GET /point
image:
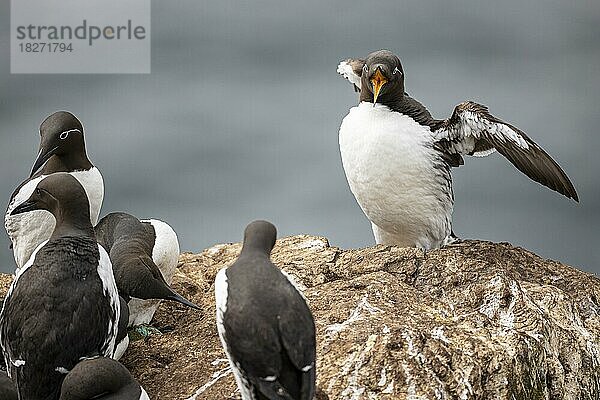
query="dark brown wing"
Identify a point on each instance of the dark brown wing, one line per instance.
(472, 130)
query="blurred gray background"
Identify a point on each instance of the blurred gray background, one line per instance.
(239, 118)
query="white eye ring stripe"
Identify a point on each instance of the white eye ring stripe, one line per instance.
(396, 71)
(65, 134)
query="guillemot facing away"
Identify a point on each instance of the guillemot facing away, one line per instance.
(62, 149)
(144, 255)
(397, 157)
(264, 323)
(63, 305)
(101, 379)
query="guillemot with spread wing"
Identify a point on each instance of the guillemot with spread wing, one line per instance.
(397, 157)
(62, 149)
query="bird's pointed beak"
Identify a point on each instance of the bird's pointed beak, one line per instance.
(378, 80)
(24, 207)
(182, 300)
(43, 156)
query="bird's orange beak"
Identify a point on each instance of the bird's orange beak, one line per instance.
(378, 80)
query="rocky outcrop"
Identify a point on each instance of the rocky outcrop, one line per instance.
(475, 320)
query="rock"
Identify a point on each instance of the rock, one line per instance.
(475, 320)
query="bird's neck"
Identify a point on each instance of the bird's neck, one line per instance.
(392, 98)
(72, 222)
(406, 105)
(257, 244)
(255, 251)
(73, 161)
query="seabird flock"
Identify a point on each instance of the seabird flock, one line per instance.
(81, 283)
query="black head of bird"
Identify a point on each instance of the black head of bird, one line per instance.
(137, 276)
(61, 134)
(63, 196)
(259, 236)
(383, 77)
(100, 378)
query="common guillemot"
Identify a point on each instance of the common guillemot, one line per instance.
(63, 305)
(144, 255)
(101, 379)
(264, 323)
(397, 157)
(97, 378)
(62, 149)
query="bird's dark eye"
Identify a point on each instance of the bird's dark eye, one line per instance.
(397, 71)
(64, 135)
(38, 192)
(365, 68)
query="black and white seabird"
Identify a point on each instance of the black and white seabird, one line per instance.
(62, 149)
(144, 256)
(397, 157)
(97, 378)
(264, 323)
(101, 379)
(63, 305)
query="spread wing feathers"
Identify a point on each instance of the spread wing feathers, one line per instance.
(351, 69)
(472, 130)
